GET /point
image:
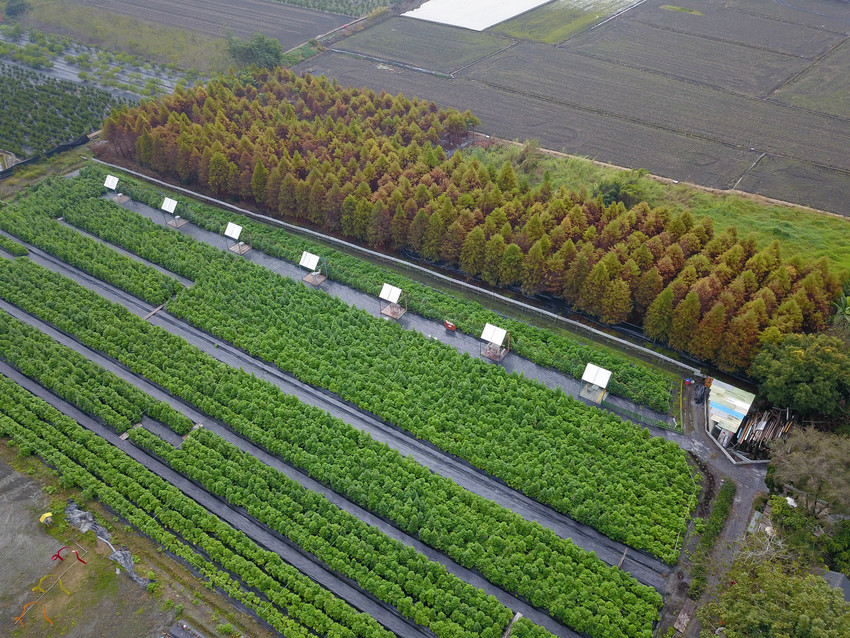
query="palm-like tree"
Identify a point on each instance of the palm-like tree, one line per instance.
(842, 315)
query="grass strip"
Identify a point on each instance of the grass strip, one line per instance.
(713, 527)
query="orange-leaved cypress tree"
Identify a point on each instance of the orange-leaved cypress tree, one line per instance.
(708, 335)
(739, 342)
(617, 302)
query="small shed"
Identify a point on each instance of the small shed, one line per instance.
(392, 301)
(596, 381)
(727, 408)
(495, 342)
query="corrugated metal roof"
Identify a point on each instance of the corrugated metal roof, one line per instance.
(729, 405)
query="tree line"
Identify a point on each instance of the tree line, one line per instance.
(371, 167)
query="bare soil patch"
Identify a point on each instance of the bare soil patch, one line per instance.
(724, 23)
(25, 546)
(802, 182)
(823, 86)
(820, 14)
(429, 45)
(689, 57)
(666, 103)
(101, 602)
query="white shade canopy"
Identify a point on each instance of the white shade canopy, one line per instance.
(597, 376)
(169, 205)
(111, 182)
(233, 230)
(390, 293)
(473, 14)
(494, 334)
(309, 260)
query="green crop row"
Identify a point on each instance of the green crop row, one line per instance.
(520, 556)
(30, 219)
(582, 461)
(420, 589)
(69, 374)
(634, 381)
(524, 628)
(76, 379)
(163, 513)
(12, 247)
(383, 566)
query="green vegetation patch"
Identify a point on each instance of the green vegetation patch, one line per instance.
(38, 112)
(801, 231)
(632, 379)
(69, 374)
(12, 247)
(29, 219)
(823, 86)
(275, 500)
(670, 7)
(411, 371)
(355, 8)
(559, 20)
(708, 537)
(518, 555)
(424, 44)
(289, 601)
(167, 45)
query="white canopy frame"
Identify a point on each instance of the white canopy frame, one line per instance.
(392, 301)
(495, 343)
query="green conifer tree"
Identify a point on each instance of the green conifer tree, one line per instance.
(685, 321)
(510, 271)
(659, 316)
(709, 334)
(472, 252)
(493, 253)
